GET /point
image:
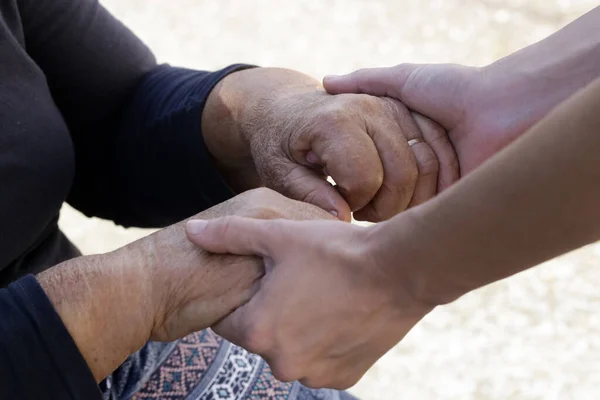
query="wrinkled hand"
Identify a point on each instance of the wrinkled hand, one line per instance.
(483, 109)
(294, 135)
(325, 311)
(191, 289)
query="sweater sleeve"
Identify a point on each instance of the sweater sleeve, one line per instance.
(136, 127)
(38, 358)
(157, 169)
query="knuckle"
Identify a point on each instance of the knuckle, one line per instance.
(291, 181)
(263, 203)
(224, 228)
(333, 119)
(366, 182)
(394, 107)
(407, 176)
(271, 171)
(261, 193)
(369, 104)
(302, 190)
(336, 113)
(311, 196)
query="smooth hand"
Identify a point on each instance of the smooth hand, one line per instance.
(482, 109)
(195, 289)
(325, 310)
(279, 128)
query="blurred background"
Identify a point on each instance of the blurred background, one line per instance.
(533, 336)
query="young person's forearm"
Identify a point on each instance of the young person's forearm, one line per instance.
(536, 199)
(554, 68)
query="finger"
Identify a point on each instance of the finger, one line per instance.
(439, 142)
(235, 235)
(437, 91)
(399, 164)
(251, 326)
(413, 174)
(304, 184)
(374, 81)
(428, 166)
(237, 327)
(196, 316)
(346, 152)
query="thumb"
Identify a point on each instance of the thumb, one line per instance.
(304, 184)
(434, 90)
(234, 235)
(374, 81)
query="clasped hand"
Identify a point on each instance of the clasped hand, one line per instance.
(285, 132)
(329, 306)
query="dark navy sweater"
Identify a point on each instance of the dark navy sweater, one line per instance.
(87, 117)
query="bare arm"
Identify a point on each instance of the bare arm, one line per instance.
(279, 128)
(104, 302)
(560, 64)
(534, 201)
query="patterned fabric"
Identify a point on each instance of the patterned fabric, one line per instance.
(203, 366)
(183, 369)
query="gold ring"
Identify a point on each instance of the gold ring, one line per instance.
(412, 142)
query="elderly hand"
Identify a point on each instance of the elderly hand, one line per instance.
(195, 289)
(325, 310)
(161, 287)
(280, 129)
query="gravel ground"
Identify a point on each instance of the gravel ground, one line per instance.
(533, 336)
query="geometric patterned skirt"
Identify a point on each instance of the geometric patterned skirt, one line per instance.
(203, 366)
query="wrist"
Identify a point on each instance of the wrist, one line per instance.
(223, 138)
(406, 248)
(238, 107)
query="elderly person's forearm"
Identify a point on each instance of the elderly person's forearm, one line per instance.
(104, 302)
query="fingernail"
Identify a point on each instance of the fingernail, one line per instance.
(330, 77)
(334, 213)
(196, 226)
